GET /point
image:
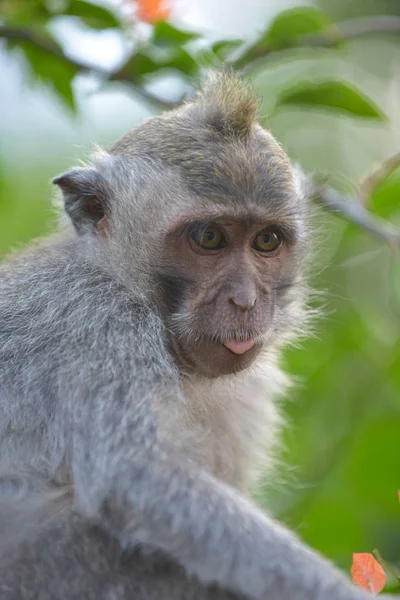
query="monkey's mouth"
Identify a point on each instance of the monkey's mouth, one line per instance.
(220, 353)
(239, 347)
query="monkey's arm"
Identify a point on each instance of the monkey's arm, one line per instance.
(128, 480)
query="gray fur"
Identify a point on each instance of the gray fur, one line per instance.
(122, 476)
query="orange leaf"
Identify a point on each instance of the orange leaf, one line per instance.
(152, 11)
(367, 573)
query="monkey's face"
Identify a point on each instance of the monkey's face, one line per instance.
(200, 212)
(224, 281)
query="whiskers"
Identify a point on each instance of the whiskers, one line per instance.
(184, 328)
(293, 319)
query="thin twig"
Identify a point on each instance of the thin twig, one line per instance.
(371, 181)
(28, 35)
(124, 76)
(385, 564)
(346, 207)
(361, 26)
(143, 93)
(356, 213)
(330, 37)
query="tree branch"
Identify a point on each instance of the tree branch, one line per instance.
(329, 38)
(333, 35)
(355, 212)
(361, 26)
(346, 207)
(371, 181)
(49, 46)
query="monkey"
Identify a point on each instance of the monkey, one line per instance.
(140, 369)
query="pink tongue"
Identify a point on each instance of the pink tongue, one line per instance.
(239, 347)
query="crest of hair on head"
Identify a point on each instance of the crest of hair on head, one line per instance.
(230, 106)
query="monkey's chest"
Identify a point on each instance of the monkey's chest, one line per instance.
(226, 428)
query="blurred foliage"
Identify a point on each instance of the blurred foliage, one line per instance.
(325, 90)
(330, 94)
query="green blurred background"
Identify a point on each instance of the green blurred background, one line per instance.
(333, 101)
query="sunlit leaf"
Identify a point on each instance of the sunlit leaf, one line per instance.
(367, 573)
(141, 64)
(295, 22)
(166, 34)
(182, 61)
(223, 48)
(385, 197)
(331, 95)
(148, 61)
(96, 17)
(21, 12)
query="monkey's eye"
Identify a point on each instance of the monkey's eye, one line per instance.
(210, 238)
(268, 240)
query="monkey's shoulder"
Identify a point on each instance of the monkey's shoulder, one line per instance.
(54, 303)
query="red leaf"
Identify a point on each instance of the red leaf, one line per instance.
(152, 11)
(367, 573)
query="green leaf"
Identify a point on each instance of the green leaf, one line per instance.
(51, 70)
(394, 284)
(94, 16)
(20, 12)
(223, 48)
(295, 22)
(165, 34)
(182, 61)
(149, 61)
(331, 95)
(141, 64)
(385, 197)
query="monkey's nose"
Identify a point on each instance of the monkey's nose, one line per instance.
(244, 300)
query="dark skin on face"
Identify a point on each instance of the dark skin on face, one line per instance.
(219, 280)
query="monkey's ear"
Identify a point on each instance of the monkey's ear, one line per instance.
(85, 197)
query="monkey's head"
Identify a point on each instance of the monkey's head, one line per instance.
(200, 212)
